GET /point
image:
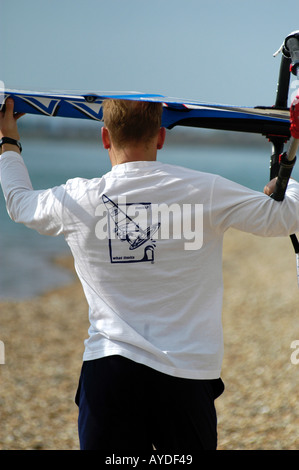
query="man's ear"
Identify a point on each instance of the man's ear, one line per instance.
(161, 138)
(105, 138)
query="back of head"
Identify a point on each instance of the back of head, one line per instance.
(131, 121)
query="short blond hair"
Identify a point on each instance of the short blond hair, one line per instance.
(131, 121)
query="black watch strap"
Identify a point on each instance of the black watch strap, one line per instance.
(8, 140)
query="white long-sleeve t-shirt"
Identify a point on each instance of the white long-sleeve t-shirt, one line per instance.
(147, 244)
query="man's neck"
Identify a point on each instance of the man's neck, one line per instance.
(133, 152)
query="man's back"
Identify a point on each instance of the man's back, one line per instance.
(145, 271)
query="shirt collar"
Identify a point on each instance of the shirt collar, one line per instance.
(129, 167)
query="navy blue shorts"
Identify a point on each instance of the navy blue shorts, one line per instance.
(125, 406)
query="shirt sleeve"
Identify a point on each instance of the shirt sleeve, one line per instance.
(233, 205)
(40, 210)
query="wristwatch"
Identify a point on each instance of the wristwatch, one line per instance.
(8, 140)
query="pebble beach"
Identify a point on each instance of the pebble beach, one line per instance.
(259, 409)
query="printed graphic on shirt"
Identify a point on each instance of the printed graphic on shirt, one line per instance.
(130, 231)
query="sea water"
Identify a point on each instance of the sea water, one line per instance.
(26, 269)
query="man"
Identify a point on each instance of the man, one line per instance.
(147, 244)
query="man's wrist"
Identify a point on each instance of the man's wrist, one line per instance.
(8, 143)
(9, 148)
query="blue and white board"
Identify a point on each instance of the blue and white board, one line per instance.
(176, 112)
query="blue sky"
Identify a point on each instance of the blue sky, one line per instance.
(209, 50)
